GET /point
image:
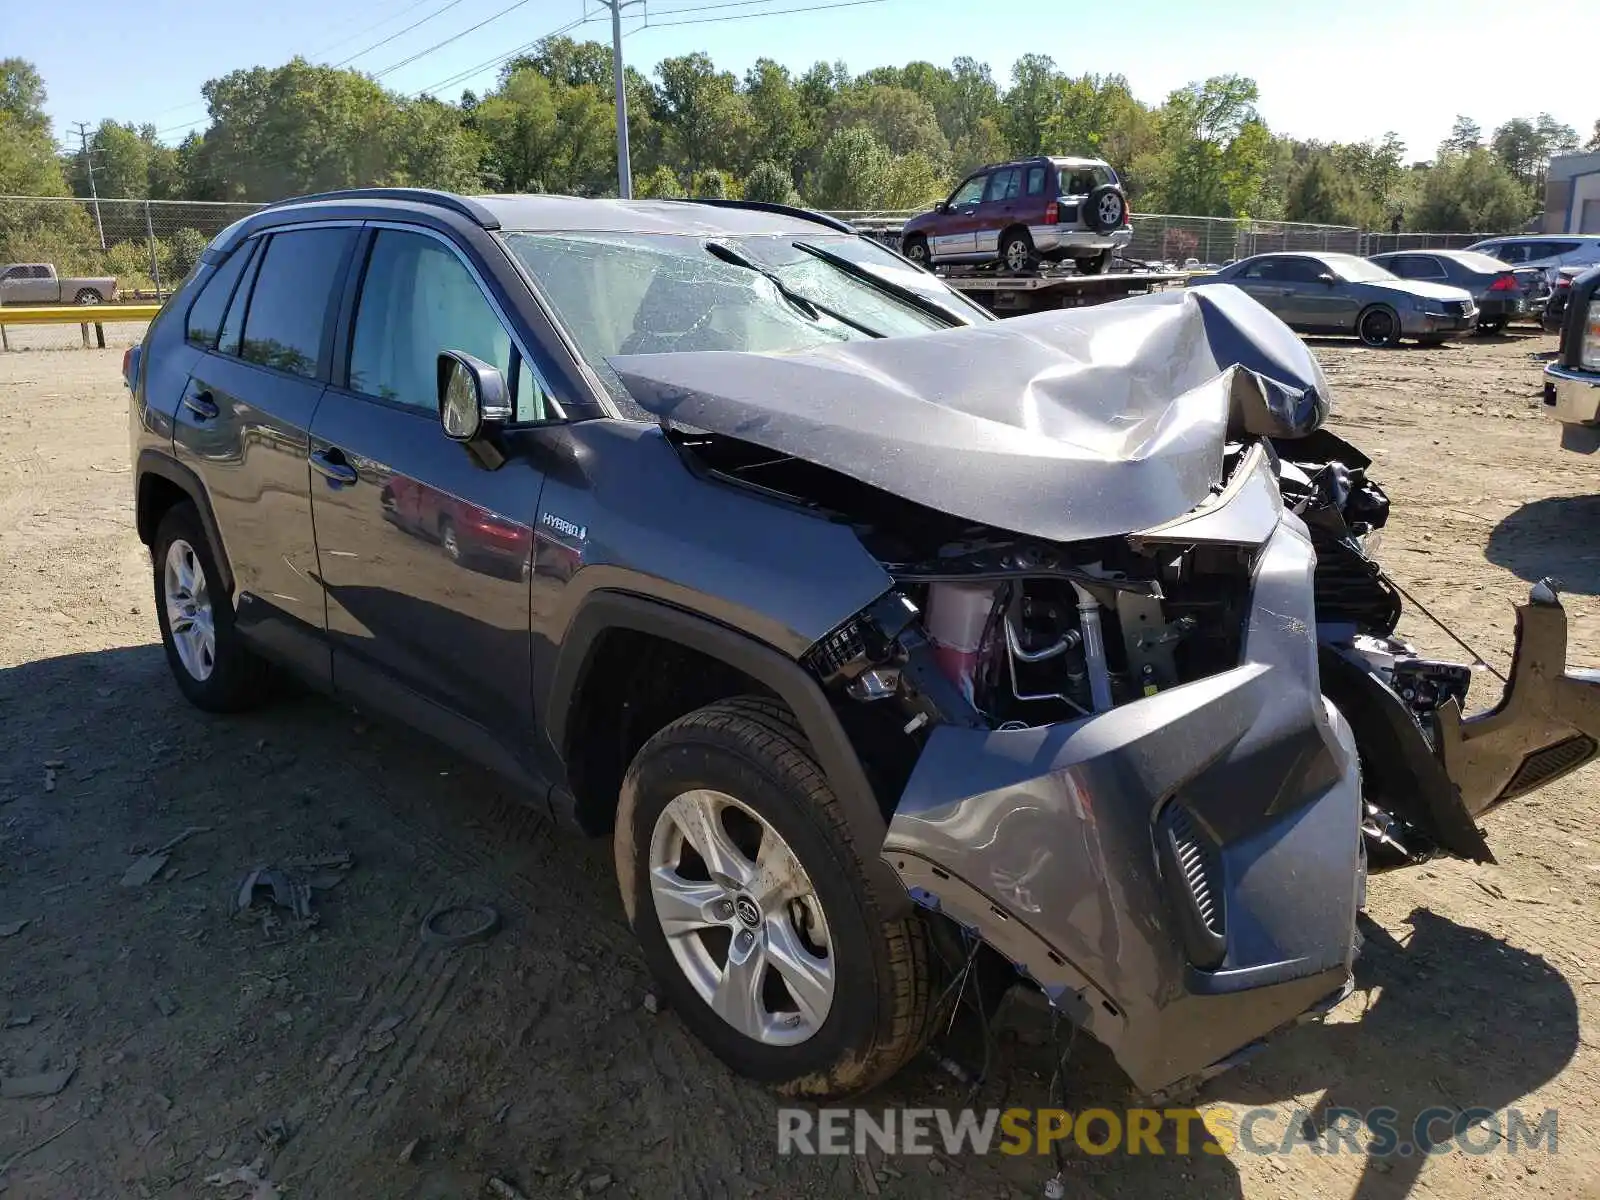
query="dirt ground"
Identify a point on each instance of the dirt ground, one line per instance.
(350, 1060)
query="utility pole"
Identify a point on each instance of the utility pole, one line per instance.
(88, 165)
(619, 77)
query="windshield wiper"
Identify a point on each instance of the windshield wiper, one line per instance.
(893, 290)
(805, 304)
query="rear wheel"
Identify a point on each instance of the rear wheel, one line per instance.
(88, 296)
(1493, 325)
(1016, 251)
(751, 903)
(1379, 327)
(916, 249)
(212, 666)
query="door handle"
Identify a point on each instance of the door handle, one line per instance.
(331, 464)
(201, 405)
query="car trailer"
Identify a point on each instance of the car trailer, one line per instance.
(1014, 295)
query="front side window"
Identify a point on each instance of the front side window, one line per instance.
(293, 298)
(969, 193)
(1266, 268)
(1299, 270)
(418, 300)
(619, 294)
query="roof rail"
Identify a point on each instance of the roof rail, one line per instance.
(787, 210)
(462, 205)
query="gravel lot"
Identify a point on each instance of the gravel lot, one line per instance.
(349, 1060)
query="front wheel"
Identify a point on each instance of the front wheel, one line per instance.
(1493, 325)
(1379, 327)
(752, 906)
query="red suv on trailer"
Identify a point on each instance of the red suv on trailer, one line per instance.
(1020, 212)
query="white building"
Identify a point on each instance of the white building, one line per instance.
(1572, 194)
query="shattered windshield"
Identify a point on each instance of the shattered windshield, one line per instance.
(626, 293)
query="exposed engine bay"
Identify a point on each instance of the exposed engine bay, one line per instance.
(1130, 701)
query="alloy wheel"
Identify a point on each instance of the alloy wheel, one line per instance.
(189, 614)
(1110, 210)
(1377, 328)
(1017, 255)
(742, 918)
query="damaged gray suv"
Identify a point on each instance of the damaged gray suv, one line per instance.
(887, 641)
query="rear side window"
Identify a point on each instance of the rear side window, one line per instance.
(293, 298)
(205, 317)
(1036, 181)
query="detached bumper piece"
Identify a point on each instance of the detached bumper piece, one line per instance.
(1180, 875)
(1546, 725)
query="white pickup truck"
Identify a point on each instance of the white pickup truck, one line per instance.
(38, 283)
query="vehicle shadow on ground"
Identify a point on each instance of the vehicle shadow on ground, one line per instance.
(1542, 538)
(1460, 1021)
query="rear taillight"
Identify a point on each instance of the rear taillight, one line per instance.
(1505, 283)
(1052, 213)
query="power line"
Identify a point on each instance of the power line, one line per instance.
(436, 12)
(452, 38)
(463, 76)
(366, 29)
(777, 12)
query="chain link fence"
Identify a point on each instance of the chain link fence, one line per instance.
(148, 246)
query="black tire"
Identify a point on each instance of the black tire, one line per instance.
(1493, 325)
(916, 249)
(1105, 208)
(88, 296)
(1016, 251)
(238, 679)
(1097, 264)
(751, 749)
(1378, 326)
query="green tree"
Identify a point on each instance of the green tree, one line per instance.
(913, 181)
(898, 117)
(1325, 193)
(659, 184)
(1030, 103)
(853, 171)
(1215, 152)
(28, 162)
(1466, 134)
(771, 184)
(1594, 139)
(706, 121)
(782, 131)
(1474, 192)
(711, 184)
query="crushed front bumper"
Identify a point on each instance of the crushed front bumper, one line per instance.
(1181, 874)
(1546, 725)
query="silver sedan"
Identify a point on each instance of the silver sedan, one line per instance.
(1341, 293)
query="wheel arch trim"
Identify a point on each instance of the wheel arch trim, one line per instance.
(603, 611)
(153, 462)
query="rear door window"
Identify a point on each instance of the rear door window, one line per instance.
(293, 298)
(205, 317)
(1428, 267)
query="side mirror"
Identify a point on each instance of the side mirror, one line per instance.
(1328, 277)
(941, 206)
(473, 397)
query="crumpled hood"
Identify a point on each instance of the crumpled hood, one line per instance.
(1066, 425)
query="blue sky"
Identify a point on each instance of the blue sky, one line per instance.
(1409, 67)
